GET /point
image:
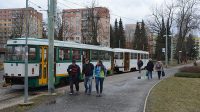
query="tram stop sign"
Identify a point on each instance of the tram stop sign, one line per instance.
(163, 49)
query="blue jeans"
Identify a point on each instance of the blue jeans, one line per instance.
(88, 84)
(149, 74)
(99, 81)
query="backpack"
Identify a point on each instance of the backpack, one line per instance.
(158, 66)
(140, 63)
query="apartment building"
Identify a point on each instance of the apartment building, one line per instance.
(83, 25)
(13, 23)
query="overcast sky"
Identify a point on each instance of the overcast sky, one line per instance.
(130, 11)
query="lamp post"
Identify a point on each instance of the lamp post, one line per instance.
(179, 56)
(166, 48)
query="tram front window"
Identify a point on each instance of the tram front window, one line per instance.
(15, 53)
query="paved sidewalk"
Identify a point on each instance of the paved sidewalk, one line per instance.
(122, 93)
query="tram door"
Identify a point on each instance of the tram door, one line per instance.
(126, 61)
(43, 80)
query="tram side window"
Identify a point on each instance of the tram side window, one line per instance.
(107, 55)
(118, 55)
(101, 55)
(95, 55)
(64, 54)
(32, 53)
(121, 55)
(76, 54)
(133, 56)
(142, 56)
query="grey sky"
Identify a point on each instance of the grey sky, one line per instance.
(131, 11)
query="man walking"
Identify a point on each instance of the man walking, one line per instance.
(74, 73)
(149, 68)
(140, 64)
(88, 73)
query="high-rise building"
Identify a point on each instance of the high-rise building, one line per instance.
(87, 25)
(13, 24)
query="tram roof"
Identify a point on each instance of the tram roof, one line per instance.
(129, 50)
(35, 41)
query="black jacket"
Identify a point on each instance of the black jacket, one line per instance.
(150, 66)
(73, 70)
(88, 69)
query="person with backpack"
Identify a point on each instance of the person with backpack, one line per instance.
(139, 64)
(100, 73)
(88, 74)
(149, 68)
(159, 68)
(74, 73)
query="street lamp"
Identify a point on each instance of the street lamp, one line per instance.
(179, 58)
(166, 48)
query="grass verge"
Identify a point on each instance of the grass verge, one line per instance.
(187, 75)
(175, 94)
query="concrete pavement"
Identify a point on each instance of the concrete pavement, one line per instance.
(122, 93)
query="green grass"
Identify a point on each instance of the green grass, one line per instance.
(175, 95)
(187, 75)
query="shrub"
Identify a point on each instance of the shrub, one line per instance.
(187, 75)
(190, 69)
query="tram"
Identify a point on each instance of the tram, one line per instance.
(126, 59)
(117, 60)
(64, 53)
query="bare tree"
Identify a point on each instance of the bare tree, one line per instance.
(159, 14)
(187, 20)
(91, 25)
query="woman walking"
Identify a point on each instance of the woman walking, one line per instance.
(100, 73)
(159, 68)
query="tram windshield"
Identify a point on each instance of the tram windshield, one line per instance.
(15, 53)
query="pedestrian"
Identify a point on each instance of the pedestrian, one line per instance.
(88, 75)
(139, 64)
(100, 73)
(74, 74)
(159, 68)
(149, 68)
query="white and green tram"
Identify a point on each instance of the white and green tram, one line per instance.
(126, 59)
(64, 53)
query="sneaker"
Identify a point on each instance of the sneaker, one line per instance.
(70, 93)
(100, 95)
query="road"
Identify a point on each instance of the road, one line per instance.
(1, 76)
(122, 93)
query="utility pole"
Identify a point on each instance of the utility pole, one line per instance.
(166, 49)
(172, 48)
(26, 56)
(51, 23)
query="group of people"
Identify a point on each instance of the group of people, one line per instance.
(150, 68)
(89, 71)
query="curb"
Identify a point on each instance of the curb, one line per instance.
(145, 103)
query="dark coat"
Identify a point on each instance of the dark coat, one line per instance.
(75, 74)
(150, 66)
(88, 69)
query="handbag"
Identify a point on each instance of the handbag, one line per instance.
(163, 73)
